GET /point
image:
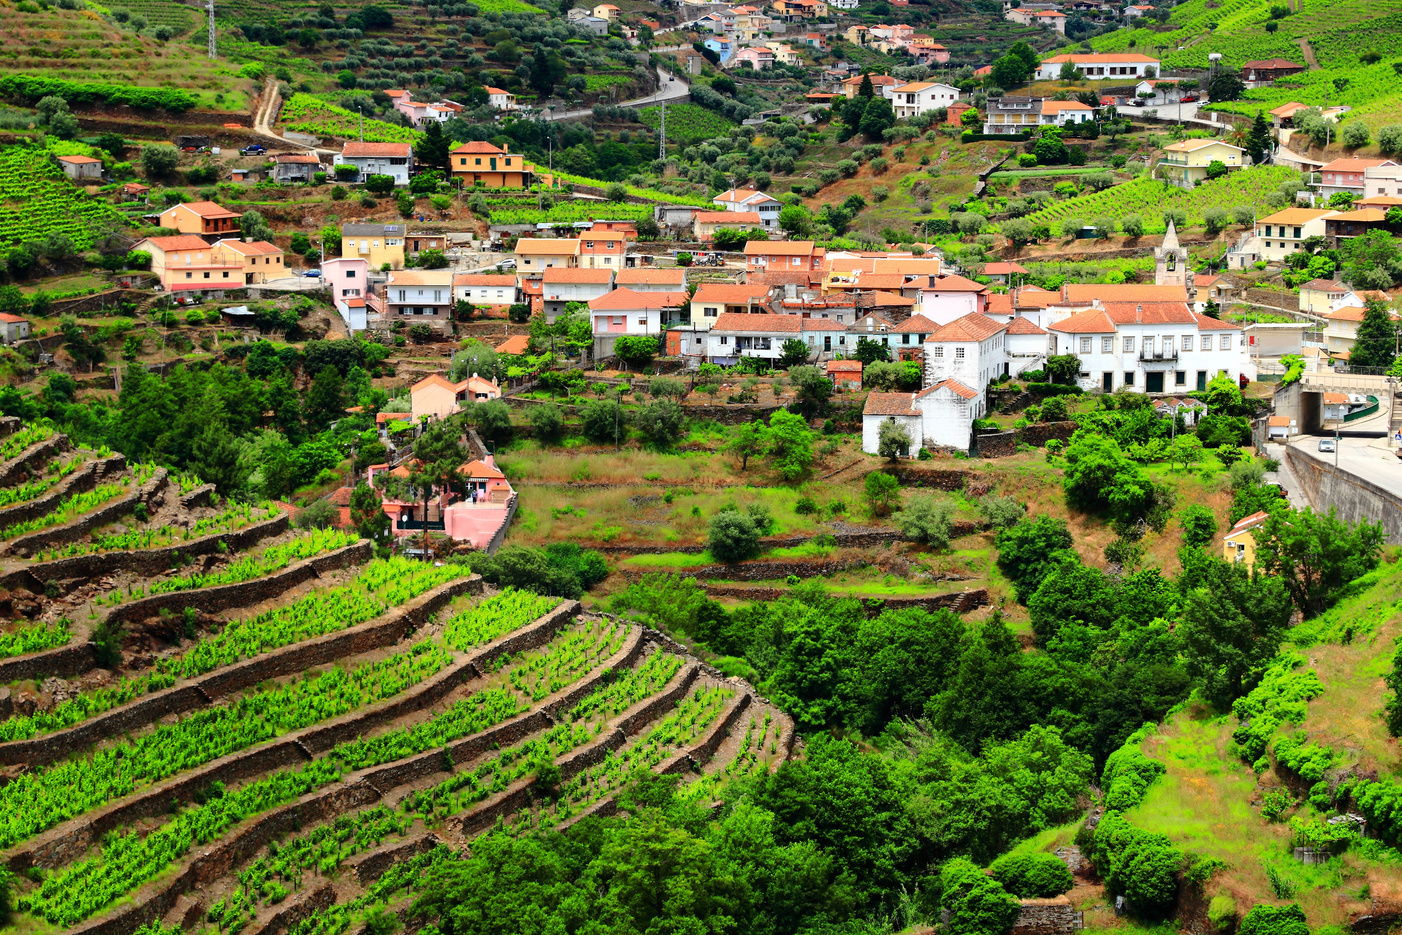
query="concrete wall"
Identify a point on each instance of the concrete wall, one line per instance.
(1354, 497)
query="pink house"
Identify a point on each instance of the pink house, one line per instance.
(476, 517)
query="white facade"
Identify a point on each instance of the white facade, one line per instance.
(743, 200)
(1154, 358)
(479, 292)
(921, 97)
(942, 307)
(941, 415)
(973, 363)
(378, 159)
(1098, 66)
(1280, 234)
(1382, 180)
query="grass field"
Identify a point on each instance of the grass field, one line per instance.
(687, 121)
(304, 113)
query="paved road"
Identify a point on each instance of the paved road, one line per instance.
(1369, 458)
(667, 91)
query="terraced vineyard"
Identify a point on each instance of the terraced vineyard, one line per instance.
(285, 733)
(36, 200)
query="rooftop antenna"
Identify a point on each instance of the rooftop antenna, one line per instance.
(210, 8)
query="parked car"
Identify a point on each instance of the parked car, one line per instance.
(255, 149)
(1188, 98)
(507, 264)
(312, 273)
(1326, 444)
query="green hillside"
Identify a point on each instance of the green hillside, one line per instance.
(37, 200)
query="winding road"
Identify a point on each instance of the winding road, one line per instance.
(668, 91)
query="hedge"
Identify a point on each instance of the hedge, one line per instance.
(32, 88)
(1043, 390)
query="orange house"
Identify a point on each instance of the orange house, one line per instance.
(480, 163)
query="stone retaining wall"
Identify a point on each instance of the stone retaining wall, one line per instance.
(699, 753)
(911, 476)
(222, 597)
(79, 481)
(295, 909)
(1039, 433)
(1046, 917)
(71, 659)
(9, 425)
(83, 525)
(146, 563)
(298, 657)
(846, 540)
(20, 464)
(995, 445)
(200, 496)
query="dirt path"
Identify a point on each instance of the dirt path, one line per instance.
(1308, 54)
(267, 113)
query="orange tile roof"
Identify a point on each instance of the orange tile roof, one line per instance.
(79, 160)
(739, 294)
(479, 146)
(1294, 216)
(781, 248)
(890, 404)
(956, 284)
(1256, 519)
(358, 150)
(1021, 325)
(1277, 422)
(916, 324)
(628, 300)
(516, 344)
(734, 217)
(1354, 165)
(651, 277)
(206, 209)
(1100, 58)
(889, 299)
(739, 321)
(178, 242)
(256, 248)
(844, 366)
(953, 386)
(1003, 269)
(482, 279)
(1086, 292)
(971, 327)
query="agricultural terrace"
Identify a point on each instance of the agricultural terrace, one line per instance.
(455, 703)
(38, 201)
(303, 113)
(687, 121)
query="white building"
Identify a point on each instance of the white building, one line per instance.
(1151, 347)
(1383, 181)
(971, 350)
(734, 335)
(625, 312)
(671, 279)
(485, 288)
(1012, 114)
(940, 415)
(946, 298)
(1100, 65)
(748, 199)
(560, 285)
(393, 159)
(921, 97)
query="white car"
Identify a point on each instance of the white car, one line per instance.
(1326, 444)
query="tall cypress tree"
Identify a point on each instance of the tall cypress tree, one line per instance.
(1377, 338)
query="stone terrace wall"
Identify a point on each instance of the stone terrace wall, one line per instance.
(83, 525)
(71, 659)
(144, 562)
(1039, 433)
(79, 481)
(958, 601)
(1046, 917)
(995, 444)
(20, 464)
(224, 597)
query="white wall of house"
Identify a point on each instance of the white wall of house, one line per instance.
(1111, 361)
(972, 363)
(944, 307)
(871, 432)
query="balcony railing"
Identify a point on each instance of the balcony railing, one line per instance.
(1161, 355)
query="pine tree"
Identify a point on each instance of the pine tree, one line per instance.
(1258, 140)
(866, 90)
(1377, 338)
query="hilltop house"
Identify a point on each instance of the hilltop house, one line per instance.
(1185, 163)
(295, 167)
(625, 312)
(490, 289)
(380, 245)
(81, 168)
(921, 97)
(480, 163)
(536, 254)
(1098, 66)
(437, 397)
(418, 297)
(562, 285)
(1011, 114)
(186, 263)
(1260, 72)
(203, 219)
(1349, 175)
(749, 200)
(763, 255)
(261, 261)
(393, 159)
(1280, 233)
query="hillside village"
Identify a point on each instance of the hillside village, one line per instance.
(791, 466)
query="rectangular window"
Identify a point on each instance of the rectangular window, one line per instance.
(1107, 345)
(1226, 342)
(1297, 233)
(939, 350)
(1180, 378)
(1187, 342)
(709, 311)
(1129, 378)
(1207, 342)
(1085, 345)
(905, 339)
(958, 353)
(1128, 345)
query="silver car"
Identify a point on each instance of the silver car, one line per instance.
(1326, 444)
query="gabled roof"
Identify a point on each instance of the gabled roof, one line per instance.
(569, 274)
(79, 160)
(1192, 146)
(206, 209)
(177, 242)
(516, 344)
(954, 386)
(1021, 325)
(844, 366)
(1285, 110)
(299, 159)
(1354, 165)
(256, 248)
(890, 404)
(1003, 269)
(1255, 519)
(733, 217)
(421, 277)
(11, 319)
(1325, 285)
(744, 195)
(627, 300)
(434, 379)
(358, 150)
(481, 469)
(1086, 292)
(916, 324)
(732, 294)
(1271, 63)
(1295, 216)
(1056, 107)
(479, 146)
(1276, 422)
(773, 324)
(1361, 215)
(651, 277)
(971, 327)
(955, 284)
(888, 299)
(1335, 399)
(1101, 58)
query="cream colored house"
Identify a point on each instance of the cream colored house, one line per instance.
(534, 254)
(1280, 234)
(261, 260)
(1185, 163)
(1319, 295)
(1239, 545)
(381, 245)
(437, 397)
(1341, 324)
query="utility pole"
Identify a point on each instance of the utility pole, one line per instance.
(662, 134)
(360, 110)
(210, 8)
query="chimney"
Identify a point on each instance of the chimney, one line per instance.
(1139, 314)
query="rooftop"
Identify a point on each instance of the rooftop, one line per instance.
(358, 150)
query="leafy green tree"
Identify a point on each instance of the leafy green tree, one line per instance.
(814, 389)
(1274, 920)
(635, 349)
(882, 492)
(1028, 551)
(977, 904)
(367, 515)
(733, 537)
(326, 400)
(893, 441)
(603, 421)
(1316, 555)
(158, 160)
(1032, 876)
(1141, 866)
(662, 421)
(215, 457)
(747, 440)
(1071, 592)
(877, 118)
(981, 701)
(927, 519)
(1232, 625)
(790, 445)
(1376, 345)
(547, 423)
(1199, 525)
(794, 352)
(869, 351)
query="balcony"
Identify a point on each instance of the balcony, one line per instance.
(1159, 356)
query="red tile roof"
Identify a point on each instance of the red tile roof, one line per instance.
(890, 404)
(516, 344)
(741, 294)
(731, 217)
(483, 279)
(781, 248)
(1023, 326)
(628, 300)
(916, 324)
(358, 150)
(1003, 269)
(178, 242)
(972, 327)
(207, 209)
(774, 324)
(844, 366)
(954, 386)
(478, 146)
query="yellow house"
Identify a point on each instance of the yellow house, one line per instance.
(606, 11)
(382, 245)
(1240, 542)
(261, 260)
(536, 254)
(1185, 163)
(1319, 295)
